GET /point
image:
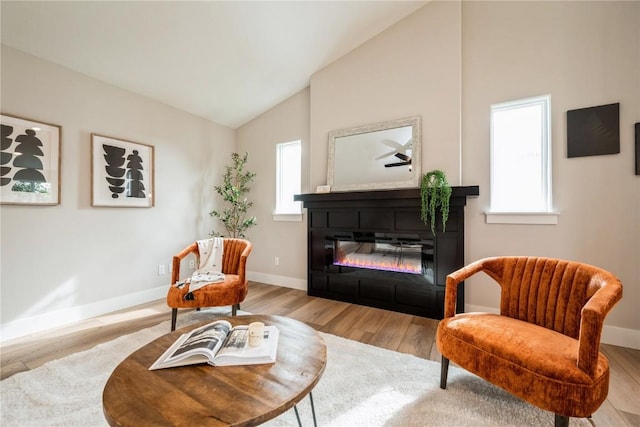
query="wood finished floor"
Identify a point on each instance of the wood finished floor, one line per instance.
(394, 331)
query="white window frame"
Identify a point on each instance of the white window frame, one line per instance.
(544, 213)
(283, 211)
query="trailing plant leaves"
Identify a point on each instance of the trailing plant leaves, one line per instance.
(434, 192)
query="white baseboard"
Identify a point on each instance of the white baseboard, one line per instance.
(621, 337)
(32, 324)
(272, 279)
(613, 335)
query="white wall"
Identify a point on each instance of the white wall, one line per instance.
(286, 122)
(411, 69)
(448, 62)
(71, 261)
(406, 71)
(584, 54)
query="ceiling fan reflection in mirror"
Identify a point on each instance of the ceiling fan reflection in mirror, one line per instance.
(406, 160)
(399, 151)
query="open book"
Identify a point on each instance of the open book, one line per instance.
(219, 344)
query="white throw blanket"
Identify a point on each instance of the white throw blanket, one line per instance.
(210, 266)
(211, 254)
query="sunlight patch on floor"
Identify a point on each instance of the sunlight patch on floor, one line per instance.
(375, 410)
(109, 319)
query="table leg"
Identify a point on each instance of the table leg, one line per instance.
(295, 408)
(313, 412)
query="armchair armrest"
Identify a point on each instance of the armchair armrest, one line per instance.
(592, 321)
(175, 270)
(243, 262)
(453, 280)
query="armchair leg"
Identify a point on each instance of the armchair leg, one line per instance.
(444, 370)
(174, 318)
(561, 421)
(234, 309)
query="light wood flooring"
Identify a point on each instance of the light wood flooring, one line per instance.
(395, 331)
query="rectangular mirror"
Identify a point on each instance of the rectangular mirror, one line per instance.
(379, 156)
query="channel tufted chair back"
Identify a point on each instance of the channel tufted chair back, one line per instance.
(544, 346)
(543, 291)
(235, 255)
(231, 292)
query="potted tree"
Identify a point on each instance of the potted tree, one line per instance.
(435, 193)
(236, 185)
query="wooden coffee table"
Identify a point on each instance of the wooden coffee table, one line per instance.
(203, 395)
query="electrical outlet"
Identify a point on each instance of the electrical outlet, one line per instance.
(192, 263)
(161, 270)
(276, 261)
(170, 267)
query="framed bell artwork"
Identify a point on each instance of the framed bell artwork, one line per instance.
(29, 162)
(122, 173)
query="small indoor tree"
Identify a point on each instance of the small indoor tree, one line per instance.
(234, 189)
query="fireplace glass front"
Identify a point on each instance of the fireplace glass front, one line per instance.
(384, 253)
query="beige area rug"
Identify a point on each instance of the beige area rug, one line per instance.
(362, 385)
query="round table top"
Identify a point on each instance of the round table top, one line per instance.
(205, 395)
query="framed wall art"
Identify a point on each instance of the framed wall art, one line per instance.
(29, 162)
(593, 131)
(637, 126)
(122, 173)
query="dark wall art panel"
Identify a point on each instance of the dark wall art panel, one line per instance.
(593, 131)
(637, 148)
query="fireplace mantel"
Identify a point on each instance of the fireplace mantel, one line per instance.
(383, 213)
(457, 193)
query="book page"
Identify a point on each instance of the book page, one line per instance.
(236, 340)
(238, 352)
(197, 346)
(210, 337)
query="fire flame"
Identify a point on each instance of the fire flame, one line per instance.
(380, 265)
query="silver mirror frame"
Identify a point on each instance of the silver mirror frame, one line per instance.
(416, 153)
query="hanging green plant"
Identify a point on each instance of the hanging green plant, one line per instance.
(236, 185)
(435, 192)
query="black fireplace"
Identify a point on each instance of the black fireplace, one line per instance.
(372, 248)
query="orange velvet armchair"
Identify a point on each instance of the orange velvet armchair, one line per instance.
(230, 292)
(544, 346)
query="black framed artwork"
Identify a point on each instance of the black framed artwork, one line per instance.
(637, 148)
(593, 131)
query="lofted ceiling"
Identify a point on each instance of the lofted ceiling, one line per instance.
(226, 61)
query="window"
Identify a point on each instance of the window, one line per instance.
(521, 161)
(288, 180)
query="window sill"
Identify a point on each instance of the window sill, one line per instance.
(538, 218)
(287, 217)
